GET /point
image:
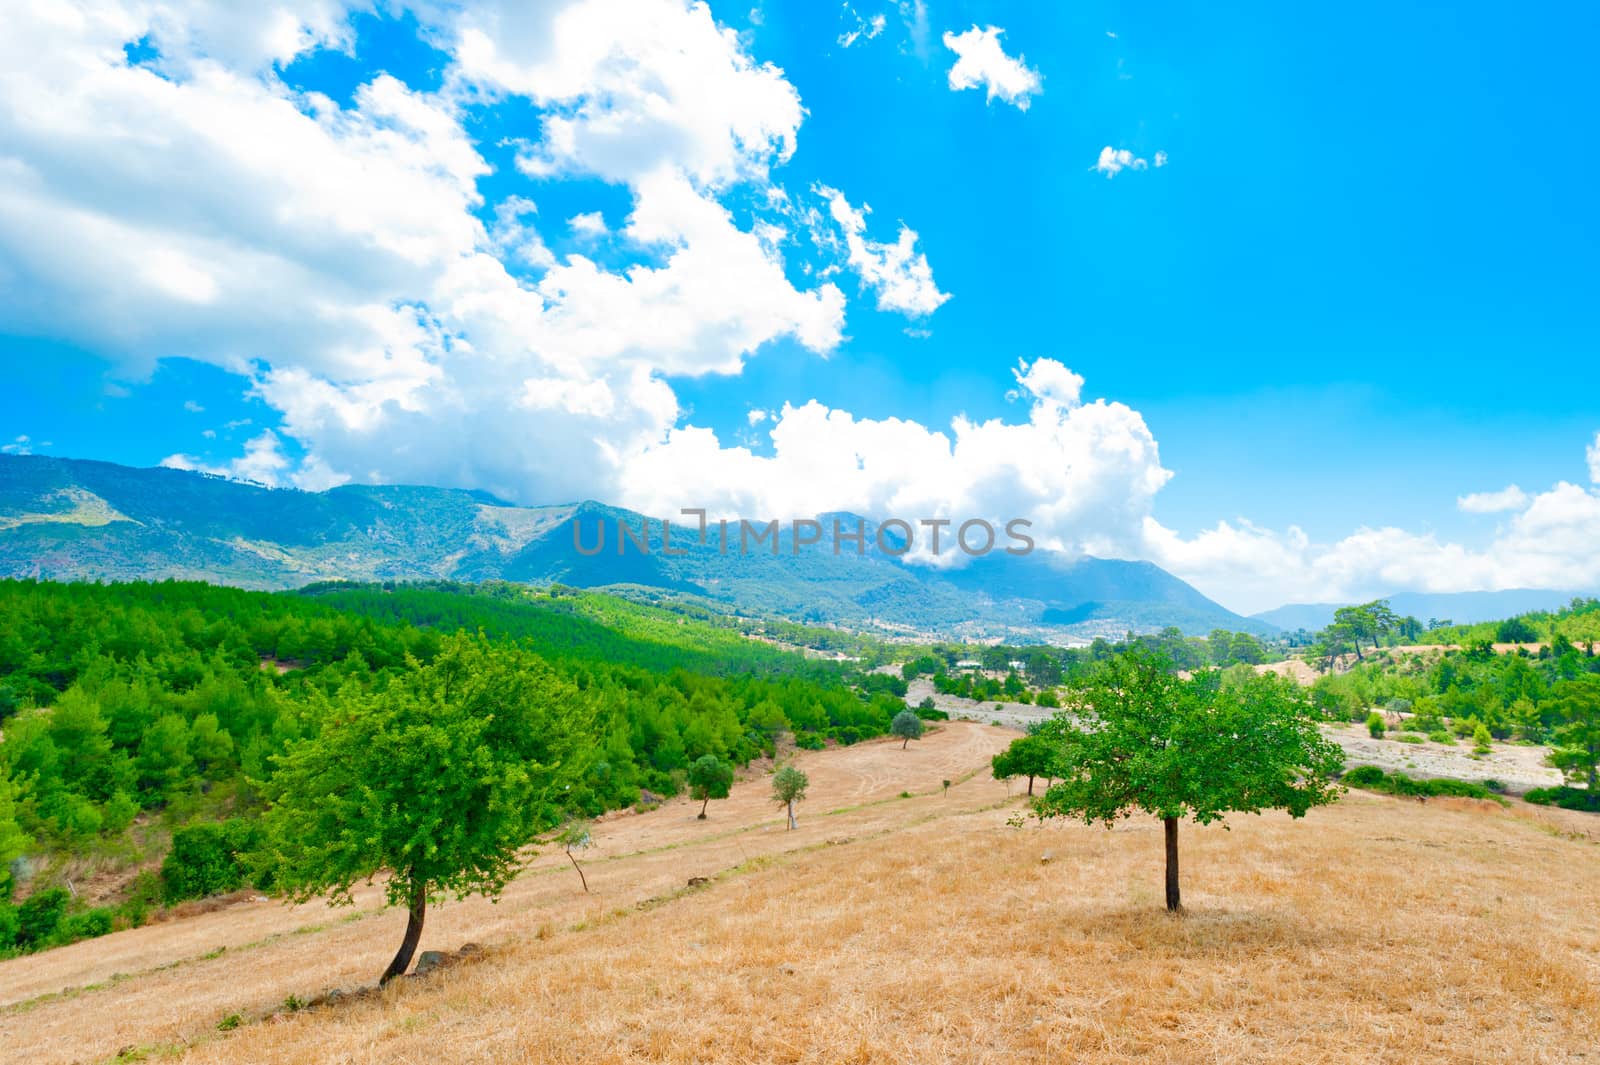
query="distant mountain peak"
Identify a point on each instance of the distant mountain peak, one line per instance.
(71, 519)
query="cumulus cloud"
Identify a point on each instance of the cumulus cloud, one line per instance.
(982, 62)
(630, 86)
(897, 272)
(1084, 473)
(193, 204)
(1509, 498)
(1547, 543)
(22, 445)
(1114, 161)
(588, 224)
(263, 462)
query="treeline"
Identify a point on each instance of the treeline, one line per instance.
(1513, 696)
(1359, 630)
(1577, 623)
(1030, 672)
(130, 711)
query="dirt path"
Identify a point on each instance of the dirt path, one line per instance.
(171, 982)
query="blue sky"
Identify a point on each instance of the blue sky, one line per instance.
(1359, 287)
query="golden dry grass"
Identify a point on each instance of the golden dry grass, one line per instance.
(926, 930)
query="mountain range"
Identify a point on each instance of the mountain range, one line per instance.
(67, 519)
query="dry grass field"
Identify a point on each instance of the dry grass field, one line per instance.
(908, 930)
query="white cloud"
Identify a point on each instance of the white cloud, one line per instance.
(20, 446)
(980, 61)
(898, 272)
(914, 13)
(755, 416)
(1085, 474)
(1547, 543)
(1114, 161)
(198, 206)
(1049, 381)
(192, 407)
(1510, 498)
(1594, 459)
(862, 29)
(631, 86)
(588, 224)
(262, 463)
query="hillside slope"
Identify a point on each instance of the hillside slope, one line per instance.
(67, 519)
(898, 929)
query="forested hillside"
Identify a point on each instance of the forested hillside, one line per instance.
(131, 711)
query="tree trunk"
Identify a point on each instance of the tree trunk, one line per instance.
(791, 815)
(579, 868)
(703, 808)
(905, 742)
(1174, 903)
(408, 945)
(1030, 783)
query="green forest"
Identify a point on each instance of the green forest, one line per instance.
(149, 719)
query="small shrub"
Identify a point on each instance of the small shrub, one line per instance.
(1364, 776)
(203, 861)
(1375, 725)
(808, 741)
(1496, 786)
(1568, 798)
(1374, 779)
(1481, 740)
(930, 714)
(144, 895)
(230, 1022)
(1408, 737)
(1441, 736)
(86, 925)
(8, 927)
(39, 918)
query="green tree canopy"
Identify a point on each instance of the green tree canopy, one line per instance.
(789, 787)
(1028, 756)
(1577, 737)
(709, 778)
(908, 726)
(13, 841)
(1155, 744)
(440, 778)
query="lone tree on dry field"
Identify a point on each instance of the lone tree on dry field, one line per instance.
(908, 726)
(1173, 748)
(789, 787)
(709, 778)
(439, 777)
(1028, 756)
(575, 836)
